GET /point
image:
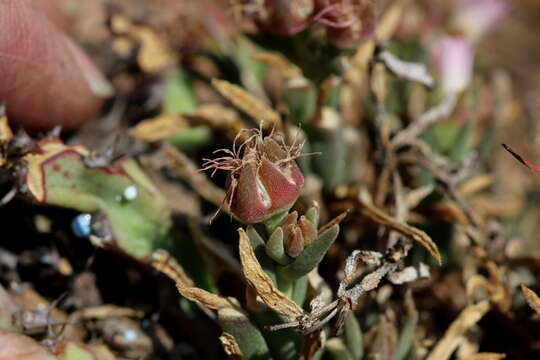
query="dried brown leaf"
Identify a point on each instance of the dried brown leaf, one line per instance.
(417, 235)
(486, 356)
(231, 347)
(279, 62)
(158, 128)
(262, 283)
(335, 221)
(378, 82)
(154, 53)
(104, 312)
(385, 28)
(532, 299)
(5, 130)
(220, 117)
(477, 282)
(312, 342)
(163, 262)
(414, 197)
(475, 184)
(251, 105)
(454, 334)
(205, 298)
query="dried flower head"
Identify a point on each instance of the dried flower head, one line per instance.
(263, 178)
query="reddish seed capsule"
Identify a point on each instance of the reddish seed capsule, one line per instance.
(263, 177)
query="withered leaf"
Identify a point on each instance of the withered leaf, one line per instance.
(454, 334)
(154, 54)
(5, 130)
(248, 103)
(413, 233)
(385, 28)
(312, 343)
(231, 347)
(221, 117)
(486, 356)
(262, 283)
(166, 264)
(279, 62)
(205, 298)
(158, 128)
(532, 299)
(335, 221)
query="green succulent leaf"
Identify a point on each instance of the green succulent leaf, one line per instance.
(138, 214)
(275, 248)
(353, 337)
(311, 256)
(247, 335)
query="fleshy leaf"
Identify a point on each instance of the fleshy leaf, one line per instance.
(312, 254)
(248, 337)
(58, 175)
(353, 337)
(275, 249)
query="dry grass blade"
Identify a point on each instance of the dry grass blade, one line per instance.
(486, 356)
(158, 128)
(248, 103)
(279, 62)
(105, 312)
(231, 347)
(431, 116)
(385, 28)
(205, 298)
(154, 54)
(454, 334)
(335, 221)
(163, 262)
(221, 117)
(381, 218)
(262, 283)
(532, 299)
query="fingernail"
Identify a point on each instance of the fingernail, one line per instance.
(95, 80)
